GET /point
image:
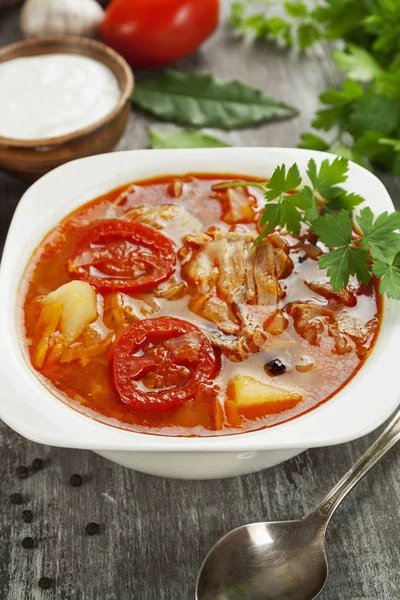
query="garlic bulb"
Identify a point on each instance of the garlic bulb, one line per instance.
(41, 18)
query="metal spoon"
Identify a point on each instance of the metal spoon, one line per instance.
(283, 560)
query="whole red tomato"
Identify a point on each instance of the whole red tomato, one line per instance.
(153, 33)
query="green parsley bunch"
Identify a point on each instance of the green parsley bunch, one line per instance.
(327, 209)
(362, 117)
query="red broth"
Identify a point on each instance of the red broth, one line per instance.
(271, 319)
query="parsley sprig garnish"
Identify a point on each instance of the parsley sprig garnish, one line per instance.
(327, 209)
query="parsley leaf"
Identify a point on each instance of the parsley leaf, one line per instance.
(312, 141)
(350, 91)
(290, 216)
(307, 33)
(390, 277)
(328, 175)
(375, 112)
(296, 9)
(307, 202)
(334, 230)
(379, 236)
(271, 215)
(358, 63)
(343, 262)
(339, 199)
(281, 183)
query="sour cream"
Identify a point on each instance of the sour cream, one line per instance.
(54, 94)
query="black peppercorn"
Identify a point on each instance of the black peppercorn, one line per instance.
(275, 367)
(37, 464)
(27, 516)
(22, 472)
(92, 528)
(76, 480)
(302, 259)
(45, 583)
(16, 499)
(28, 543)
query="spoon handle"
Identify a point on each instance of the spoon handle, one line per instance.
(383, 444)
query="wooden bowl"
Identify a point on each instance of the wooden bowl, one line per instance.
(30, 159)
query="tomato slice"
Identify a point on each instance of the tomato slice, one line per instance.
(118, 255)
(171, 356)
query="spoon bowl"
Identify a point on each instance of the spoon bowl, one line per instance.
(266, 561)
(283, 560)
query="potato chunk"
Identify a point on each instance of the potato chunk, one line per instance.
(79, 308)
(253, 398)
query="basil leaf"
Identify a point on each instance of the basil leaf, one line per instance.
(185, 138)
(201, 100)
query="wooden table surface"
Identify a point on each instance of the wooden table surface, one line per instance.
(155, 532)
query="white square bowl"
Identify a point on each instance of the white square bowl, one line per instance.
(31, 410)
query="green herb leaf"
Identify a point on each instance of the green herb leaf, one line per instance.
(270, 217)
(328, 118)
(281, 183)
(279, 28)
(343, 262)
(339, 199)
(390, 277)
(201, 100)
(290, 216)
(340, 18)
(185, 138)
(307, 34)
(375, 112)
(358, 63)
(307, 202)
(350, 91)
(380, 236)
(257, 24)
(296, 9)
(334, 230)
(283, 213)
(328, 174)
(313, 142)
(237, 14)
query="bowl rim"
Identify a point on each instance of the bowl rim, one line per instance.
(83, 45)
(40, 416)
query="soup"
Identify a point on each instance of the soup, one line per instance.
(151, 309)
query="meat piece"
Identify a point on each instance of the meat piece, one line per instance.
(239, 271)
(238, 206)
(313, 321)
(324, 289)
(354, 328)
(171, 289)
(279, 241)
(239, 348)
(312, 251)
(270, 264)
(276, 323)
(229, 277)
(212, 308)
(176, 219)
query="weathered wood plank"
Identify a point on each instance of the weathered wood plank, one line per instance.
(156, 532)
